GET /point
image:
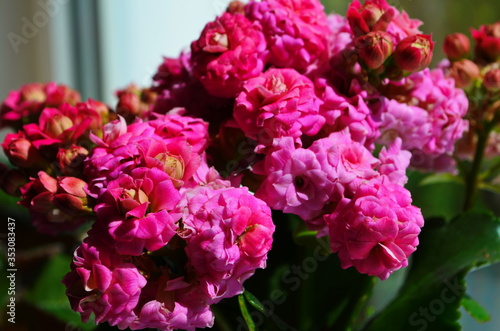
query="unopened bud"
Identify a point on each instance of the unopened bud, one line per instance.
(57, 125)
(21, 152)
(374, 48)
(487, 40)
(491, 80)
(372, 16)
(236, 7)
(464, 72)
(456, 46)
(414, 53)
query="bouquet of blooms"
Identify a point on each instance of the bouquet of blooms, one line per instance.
(281, 140)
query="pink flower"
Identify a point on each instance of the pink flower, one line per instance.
(135, 210)
(228, 234)
(66, 125)
(432, 122)
(154, 314)
(229, 51)
(345, 162)
(278, 103)
(101, 282)
(394, 162)
(352, 112)
(376, 230)
(296, 31)
(410, 123)
(182, 128)
(25, 105)
(295, 181)
(124, 148)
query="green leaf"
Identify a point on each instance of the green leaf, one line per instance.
(49, 294)
(439, 178)
(475, 310)
(245, 313)
(431, 296)
(254, 302)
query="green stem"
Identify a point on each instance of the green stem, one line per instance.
(472, 178)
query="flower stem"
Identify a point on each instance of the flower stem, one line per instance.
(472, 178)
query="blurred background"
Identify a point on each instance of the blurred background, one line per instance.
(97, 47)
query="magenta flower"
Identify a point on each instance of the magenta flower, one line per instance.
(135, 210)
(345, 162)
(66, 125)
(278, 103)
(394, 162)
(296, 182)
(342, 112)
(182, 128)
(231, 49)
(101, 282)
(228, 234)
(376, 230)
(296, 31)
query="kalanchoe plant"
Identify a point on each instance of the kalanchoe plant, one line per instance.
(282, 130)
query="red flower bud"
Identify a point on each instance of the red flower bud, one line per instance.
(374, 48)
(372, 16)
(464, 72)
(456, 46)
(21, 152)
(491, 80)
(487, 42)
(236, 7)
(414, 53)
(70, 161)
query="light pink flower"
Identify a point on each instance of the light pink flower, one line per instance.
(394, 162)
(228, 234)
(429, 122)
(376, 230)
(296, 31)
(231, 49)
(278, 103)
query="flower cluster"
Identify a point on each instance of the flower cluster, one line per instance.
(275, 106)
